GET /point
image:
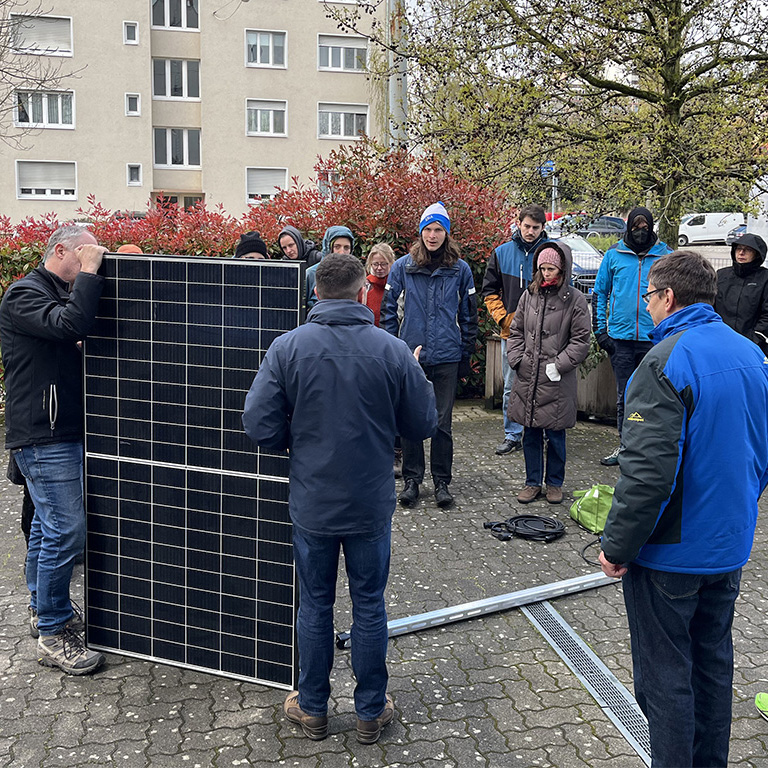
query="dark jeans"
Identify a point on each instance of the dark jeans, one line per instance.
(367, 562)
(682, 657)
(533, 450)
(444, 380)
(626, 357)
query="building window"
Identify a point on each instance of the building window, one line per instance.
(166, 201)
(41, 35)
(265, 49)
(342, 121)
(131, 32)
(343, 54)
(264, 183)
(326, 181)
(177, 147)
(42, 179)
(175, 79)
(133, 174)
(44, 110)
(265, 118)
(176, 14)
(132, 104)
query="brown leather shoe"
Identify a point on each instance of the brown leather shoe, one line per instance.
(315, 728)
(554, 494)
(529, 493)
(368, 731)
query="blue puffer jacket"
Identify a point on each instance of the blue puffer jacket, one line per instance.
(621, 281)
(335, 392)
(437, 310)
(694, 456)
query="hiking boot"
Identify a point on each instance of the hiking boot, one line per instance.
(409, 494)
(66, 650)
(315, 728)
(612, 460)
(443, 496)
(554, 494)
(398, 464)
(76, 622)
(508, 445)
(529, 493)
(761, 702)
(368, 731)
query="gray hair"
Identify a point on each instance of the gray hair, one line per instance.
(68, 235)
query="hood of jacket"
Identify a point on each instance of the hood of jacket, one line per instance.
(340, 312)
(637, 243)
(694, 314)
(755, 242)
(565, 252)
(334, 232)
(304, 246)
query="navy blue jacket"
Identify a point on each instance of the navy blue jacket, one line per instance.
(694, 456)
(437, 310)
(335, 392)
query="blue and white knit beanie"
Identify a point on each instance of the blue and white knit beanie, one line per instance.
(436, 214)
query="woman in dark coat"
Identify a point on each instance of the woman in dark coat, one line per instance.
(549, 339)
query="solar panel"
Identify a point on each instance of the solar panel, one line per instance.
(189, 556)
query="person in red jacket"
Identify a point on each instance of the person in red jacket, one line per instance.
(380, 260)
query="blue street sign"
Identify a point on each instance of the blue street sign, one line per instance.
(547, 168)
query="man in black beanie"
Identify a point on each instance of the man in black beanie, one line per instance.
(251, 246)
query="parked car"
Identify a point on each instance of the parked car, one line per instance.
(568, 222)
(604, 225)
(707, 227)
(735, 234)
(586, 262)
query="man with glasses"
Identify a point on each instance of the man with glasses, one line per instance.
(619, 319)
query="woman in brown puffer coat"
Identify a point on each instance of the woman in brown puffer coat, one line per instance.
(548, 340)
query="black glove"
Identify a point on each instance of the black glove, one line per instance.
(464, 368)
(604, 341)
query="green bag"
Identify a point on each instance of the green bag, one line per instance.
(591, 507)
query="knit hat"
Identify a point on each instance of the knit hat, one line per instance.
(129, 248)
(550, 256)
(251, 242)
(435, 214)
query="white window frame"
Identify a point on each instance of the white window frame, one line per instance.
(168, 149)
(343, 109)
(45, 124)
(257, 201)
(325, 182)
(167, 14)
(126, 39)
(254, 104)
(184, 80)
(128, 181)
(128, 111)
(259, 65)
(42, 51)
(355, 43)
(48, 195)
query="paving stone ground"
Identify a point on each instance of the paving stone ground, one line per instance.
(489, 692)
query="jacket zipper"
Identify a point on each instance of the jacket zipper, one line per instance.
(53, 407)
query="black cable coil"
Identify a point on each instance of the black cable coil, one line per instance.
(532, 527)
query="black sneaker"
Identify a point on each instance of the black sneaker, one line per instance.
(443, 496)
(409, 494)
(508, 445)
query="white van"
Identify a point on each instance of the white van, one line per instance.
(707, 227)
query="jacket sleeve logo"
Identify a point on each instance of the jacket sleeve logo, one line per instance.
(635, 417)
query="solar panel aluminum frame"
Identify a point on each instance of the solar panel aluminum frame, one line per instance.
(189, 556)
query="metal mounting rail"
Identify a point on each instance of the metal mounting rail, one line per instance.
(488, 605)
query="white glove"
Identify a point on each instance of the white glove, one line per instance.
(552, 373)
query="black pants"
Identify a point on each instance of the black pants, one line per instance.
(444, 380)
(626, 357)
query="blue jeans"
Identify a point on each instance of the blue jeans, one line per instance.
(625, 358)
(533, 450)
(682, 657)
(512, 430)
(367, 563)
(54, 476)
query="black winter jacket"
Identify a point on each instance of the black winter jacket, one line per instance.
(40, 325)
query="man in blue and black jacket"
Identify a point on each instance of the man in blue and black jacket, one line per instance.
(694, 461)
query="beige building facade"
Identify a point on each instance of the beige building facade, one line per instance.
(189, 99)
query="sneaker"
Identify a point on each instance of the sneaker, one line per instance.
(409, 494)
(529, 493)
(761, 702)
(68, 652)
(368, 731)
(76, 622)
(315, 728)
(398, 464)
(443, 496)
(612, 460)
(508, 445)
(554, 494)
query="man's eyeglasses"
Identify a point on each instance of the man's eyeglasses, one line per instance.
(646, 297)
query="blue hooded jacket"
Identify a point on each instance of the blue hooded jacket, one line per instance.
(330, 235)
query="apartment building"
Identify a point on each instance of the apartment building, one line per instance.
(221, 100)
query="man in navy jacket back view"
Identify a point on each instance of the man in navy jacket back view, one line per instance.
(335, 392)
